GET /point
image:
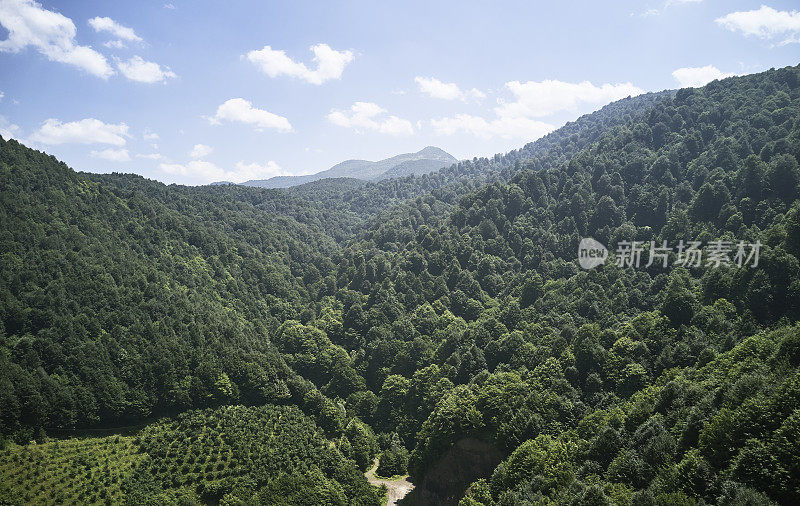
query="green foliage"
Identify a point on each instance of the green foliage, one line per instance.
(437, 308)
(237, 451)
(393, 461)
(363, 443)
(73, 471)
(543, 460)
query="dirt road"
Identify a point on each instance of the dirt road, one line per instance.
(398, 487)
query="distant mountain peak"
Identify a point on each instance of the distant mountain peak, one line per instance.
(428, 159)
(434, 152)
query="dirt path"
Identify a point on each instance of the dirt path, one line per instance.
(398, 487)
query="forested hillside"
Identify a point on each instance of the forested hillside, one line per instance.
(400, 318)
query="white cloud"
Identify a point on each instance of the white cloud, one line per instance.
(137, 69)
(51, 33)
(247, 171)
(106, 24)
(368, 116)
(148, 135)
(532, 99)
(764, 23)
(506, 127)
(698, 76)
(657, 12)
(206, 172)
(114, 155)
(330, 63)
(200, 151)
(115, 44)
(85, 131)
(196, 169)
(8, 130)
(239, 109)
(543, 98)
(2, 95)
(169, 6)
(446, 91)
(150, 156)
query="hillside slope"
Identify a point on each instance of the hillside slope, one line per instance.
(225, 455)
(485, 322)
(407, 315)
(125, 301)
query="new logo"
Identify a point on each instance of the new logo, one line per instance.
(591, 253)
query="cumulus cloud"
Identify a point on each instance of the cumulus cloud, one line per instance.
(533, 99)
(242, 111)
(698, 76)
(196, 169)
(200, 151)
(543, 98)
(246, 171)
(51, 33)
(150, 156)
(764, 23)
(8, 130)
(446, 91)
(85, 131)
(137, 69)
(369, 116)
(202, 171)
(149, 135)
(115, 44)
(111, 154)
(329, 63)
(506, 127)
(108, 25)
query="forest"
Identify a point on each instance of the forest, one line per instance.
(236, 345)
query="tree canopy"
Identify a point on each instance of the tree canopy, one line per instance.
(285, 338)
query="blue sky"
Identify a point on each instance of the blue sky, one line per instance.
(195, 91)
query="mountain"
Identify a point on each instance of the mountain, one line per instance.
(426, 160)
(274, 343)
(411, 168)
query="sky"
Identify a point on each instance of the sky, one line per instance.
(192, 92)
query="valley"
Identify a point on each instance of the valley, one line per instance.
(277, 345)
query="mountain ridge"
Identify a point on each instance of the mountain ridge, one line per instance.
(426, 160)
